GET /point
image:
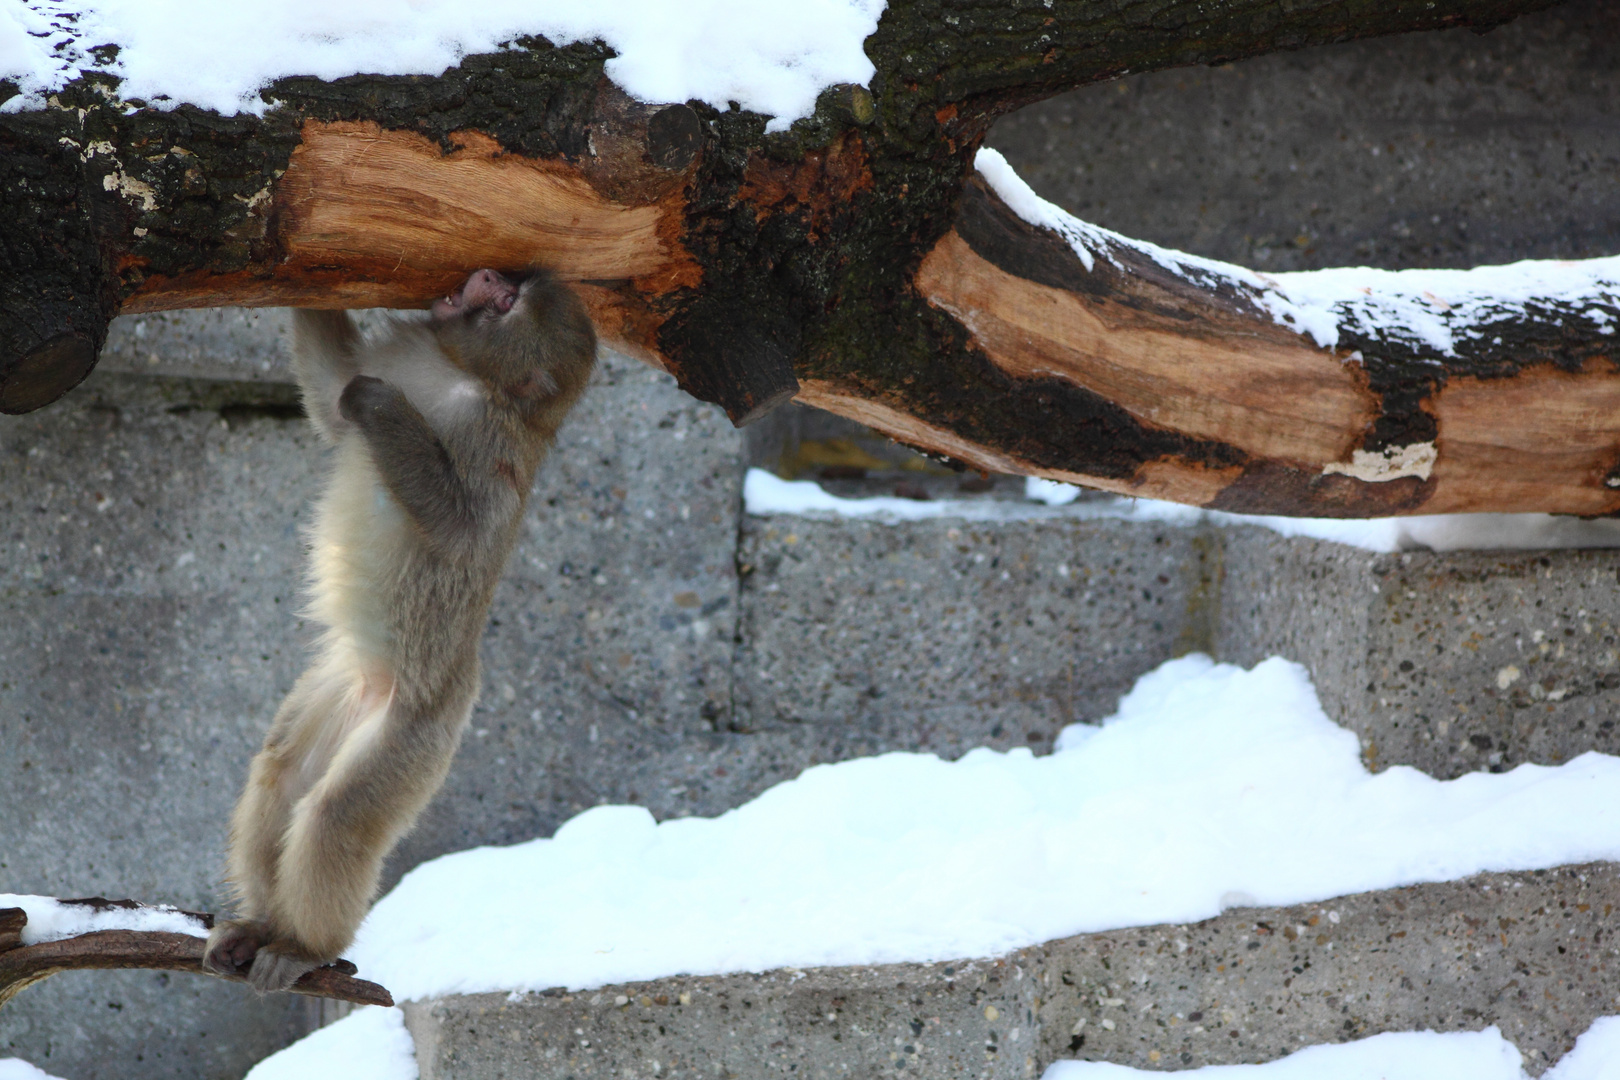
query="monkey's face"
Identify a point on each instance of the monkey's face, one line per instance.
(485, 294)
(521, 334)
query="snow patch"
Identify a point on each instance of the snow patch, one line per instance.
(773, 58)
(1209, 782)
(765, 495)
(1405, 1055)
(51, 920)
(370, 1043)
(18, 1069)
(1428, 310)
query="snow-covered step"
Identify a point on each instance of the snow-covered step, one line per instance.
(1529, 952)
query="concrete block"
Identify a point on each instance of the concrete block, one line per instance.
(946, 635)
(1447, 662)
(1435, 149)
(1530, 952)
(117, 1025)
(147, 631)
(975, 1019)
(224, 344)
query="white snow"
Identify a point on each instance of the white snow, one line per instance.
(1428, 309)
(773, 58)
(370, 1043)
(765, 494)
(1406, 1055)
(51, 920)
(1596, 1055)
(1210, 787)
(18, 1069)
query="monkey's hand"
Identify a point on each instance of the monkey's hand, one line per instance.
(367, 398)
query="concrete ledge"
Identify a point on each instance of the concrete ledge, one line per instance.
(1529, 952)
(946, 635)
(1447, 662)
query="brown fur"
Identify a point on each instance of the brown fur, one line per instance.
(438, 429)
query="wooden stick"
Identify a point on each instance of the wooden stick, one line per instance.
(23, 965)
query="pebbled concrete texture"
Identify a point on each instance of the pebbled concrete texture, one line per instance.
(1436, 149)
(970, 1019)
(948, 635)
(1532, 953)
(1449, 663)
(147, 629)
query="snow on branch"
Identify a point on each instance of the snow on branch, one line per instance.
(41, 936)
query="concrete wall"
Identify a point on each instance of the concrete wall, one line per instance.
(1440, 149)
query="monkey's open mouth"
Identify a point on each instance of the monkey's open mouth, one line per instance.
(483, 290)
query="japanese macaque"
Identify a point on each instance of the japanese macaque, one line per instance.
(437, 430)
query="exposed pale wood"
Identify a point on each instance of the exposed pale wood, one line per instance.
(373, 218)
(854, 260)
(1210, 373)
(1544, 440)
(1170, 481)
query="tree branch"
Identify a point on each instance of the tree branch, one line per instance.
(850, 261)
(23, 965)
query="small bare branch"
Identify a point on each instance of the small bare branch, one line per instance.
(23, 965)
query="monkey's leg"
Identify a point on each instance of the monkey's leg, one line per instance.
(378, 782)
(260, 819)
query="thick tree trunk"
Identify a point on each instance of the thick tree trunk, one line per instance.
(853, 261)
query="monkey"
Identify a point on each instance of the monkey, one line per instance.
(436, 431)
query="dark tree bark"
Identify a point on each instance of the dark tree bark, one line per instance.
(853, 261)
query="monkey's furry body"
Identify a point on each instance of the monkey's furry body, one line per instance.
(437, 432)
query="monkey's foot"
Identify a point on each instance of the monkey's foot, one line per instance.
(232, 945)
(274, 970)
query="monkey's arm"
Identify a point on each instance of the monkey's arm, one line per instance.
(324, 362)
(412, 459)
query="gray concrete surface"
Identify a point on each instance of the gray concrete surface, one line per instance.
(945, 635)
(974, 1019)
(1532, 953)
(1450, 663)
(147, 628)
(1439, 149)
